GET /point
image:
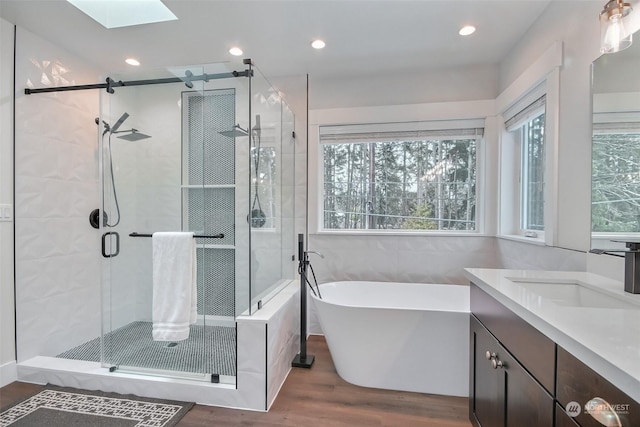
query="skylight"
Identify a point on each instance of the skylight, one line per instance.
(124, 13)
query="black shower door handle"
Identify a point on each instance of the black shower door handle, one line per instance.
(104, 244)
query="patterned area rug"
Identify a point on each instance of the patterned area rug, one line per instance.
(69, 407)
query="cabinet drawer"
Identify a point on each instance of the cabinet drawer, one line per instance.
(528, 345)
(579, 383)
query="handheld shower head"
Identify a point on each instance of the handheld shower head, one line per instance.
(256, 128)
(119, 122)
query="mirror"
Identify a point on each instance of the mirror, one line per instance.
(615, 173)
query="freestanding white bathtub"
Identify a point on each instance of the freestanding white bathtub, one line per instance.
(398, 336)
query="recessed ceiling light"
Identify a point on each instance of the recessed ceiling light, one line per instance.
(132, 61)
(467, 30)
(118, 13)
(235, 51)
(318, 44)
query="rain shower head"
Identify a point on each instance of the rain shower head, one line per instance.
(133, 135)
(237, 131)
(119, 122)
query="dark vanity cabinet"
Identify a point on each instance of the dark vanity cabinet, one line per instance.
(504, 393)
(512, 368)
(579, 383)
(520, 377)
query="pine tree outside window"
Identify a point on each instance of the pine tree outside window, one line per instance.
(409, 181)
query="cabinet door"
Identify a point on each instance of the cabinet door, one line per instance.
(527, 402)
(502, 392)
(487, 394)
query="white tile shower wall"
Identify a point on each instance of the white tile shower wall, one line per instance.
(519, 255)
(57, 252)
(148, 178)
(156, 195)
(267, 263)
(119, 282)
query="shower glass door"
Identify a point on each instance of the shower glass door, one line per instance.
(272, 167)
(169, 166)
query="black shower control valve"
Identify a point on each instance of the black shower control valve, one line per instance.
(94, 218)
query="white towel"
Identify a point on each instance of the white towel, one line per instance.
(175, 298)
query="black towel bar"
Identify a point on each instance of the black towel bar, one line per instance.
(197, 236)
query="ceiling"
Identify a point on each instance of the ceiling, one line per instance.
(364, 37)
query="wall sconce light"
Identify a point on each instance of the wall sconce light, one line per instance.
(614, 34)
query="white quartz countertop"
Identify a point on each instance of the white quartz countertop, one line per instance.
(603, 332)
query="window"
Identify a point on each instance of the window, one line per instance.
(523, 169)
(400, 180)
(615, 182)
(532, 175)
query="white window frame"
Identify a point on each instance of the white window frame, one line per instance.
(412, 116)
(510, 161)
(522, 142)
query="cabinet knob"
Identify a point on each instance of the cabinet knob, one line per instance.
(496, 363)
(490, 356)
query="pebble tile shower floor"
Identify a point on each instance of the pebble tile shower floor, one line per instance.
(209, 349)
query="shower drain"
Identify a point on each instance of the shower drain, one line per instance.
(172, 344)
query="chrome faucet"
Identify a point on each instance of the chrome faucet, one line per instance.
(631, 264)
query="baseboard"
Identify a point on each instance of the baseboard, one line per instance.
(8, 373)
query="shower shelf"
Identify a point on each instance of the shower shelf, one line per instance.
(207, 186)
(197, 236)
(215, 246)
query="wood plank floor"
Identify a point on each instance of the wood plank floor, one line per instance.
(318, 397)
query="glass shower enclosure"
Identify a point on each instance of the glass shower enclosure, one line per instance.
(205, 149)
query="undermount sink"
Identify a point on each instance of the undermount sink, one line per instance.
(572, 294)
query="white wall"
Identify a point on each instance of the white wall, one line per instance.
(578, 29)
(440, 85)
(576, 25)
(7, 323)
